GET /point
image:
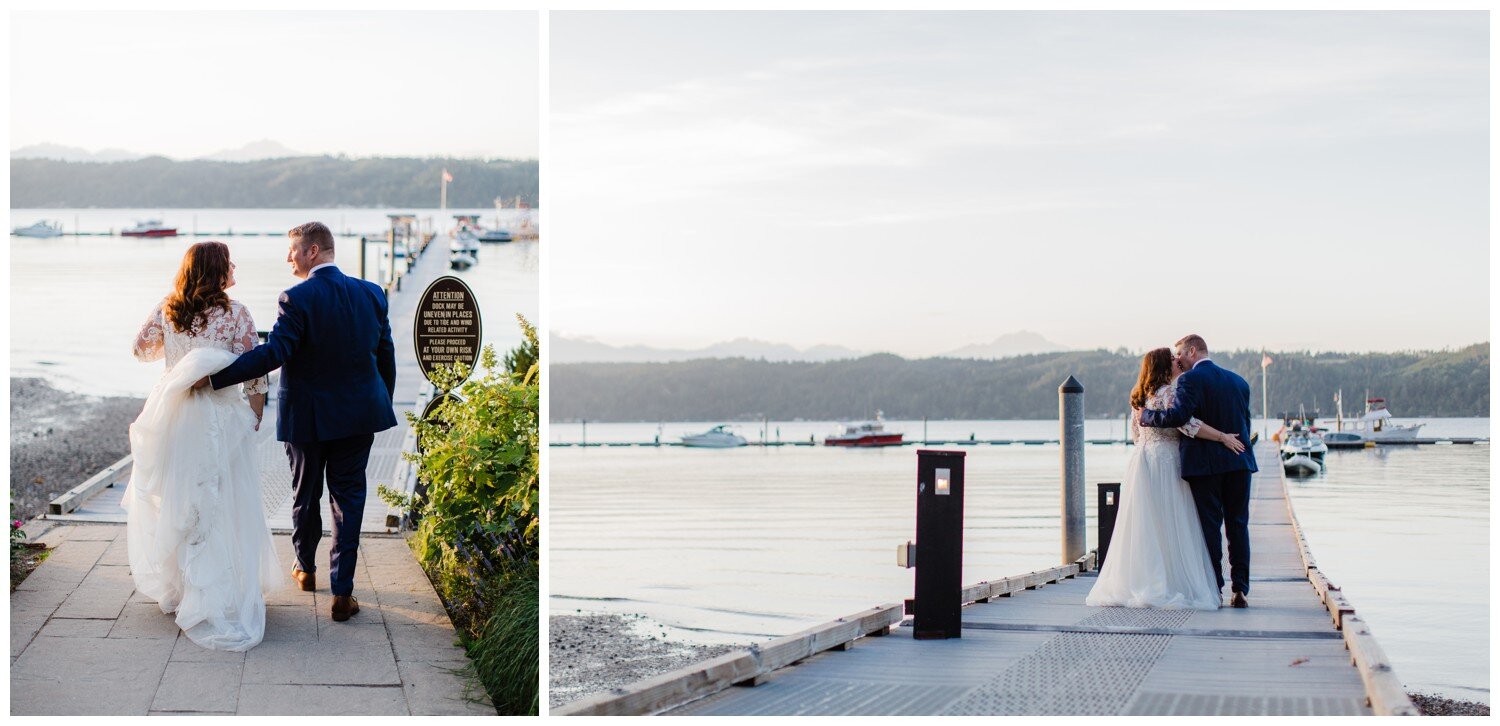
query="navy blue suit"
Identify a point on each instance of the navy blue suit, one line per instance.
(1218, 477)
(332, 342)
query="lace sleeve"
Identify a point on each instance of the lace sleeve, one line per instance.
(1135, 425)
(245, 339)
(149, 342)
(1190, 429)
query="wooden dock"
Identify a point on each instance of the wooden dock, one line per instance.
(1031, 646)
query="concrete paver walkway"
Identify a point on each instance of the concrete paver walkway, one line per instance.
(83, 642)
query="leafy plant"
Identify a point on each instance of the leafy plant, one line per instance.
(478, 525)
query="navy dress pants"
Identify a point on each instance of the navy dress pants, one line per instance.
(1223, 500)
(341, 462)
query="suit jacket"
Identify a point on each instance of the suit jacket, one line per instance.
(1219, 398)
(332, 342)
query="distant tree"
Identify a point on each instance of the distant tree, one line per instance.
(296, 182)
(1444, 383)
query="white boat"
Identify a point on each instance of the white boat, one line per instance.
(461, 261)
(718, 437)
(149, 228)
(495, 235)
(1303, 452)
(40, 229)
(865, 434)
(464, 245)
(1376, 426)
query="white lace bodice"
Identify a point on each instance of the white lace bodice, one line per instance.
(232, 330)
(1164, 398)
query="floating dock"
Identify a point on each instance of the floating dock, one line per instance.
(1030, 646)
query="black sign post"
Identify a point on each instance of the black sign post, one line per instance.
(447, 328)
(940, 545)
(446, 331)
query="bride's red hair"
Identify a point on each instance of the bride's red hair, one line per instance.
(200, 285)
(1156, 371)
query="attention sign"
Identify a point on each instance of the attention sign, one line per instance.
(447, 326)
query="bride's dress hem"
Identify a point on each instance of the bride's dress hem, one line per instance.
(197, 538)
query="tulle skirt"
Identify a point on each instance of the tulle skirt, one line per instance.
(197, 535)
(1156, 558)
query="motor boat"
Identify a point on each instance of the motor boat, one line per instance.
(495, 235)
(40, 229)
(1303, 452)
(1376, 426)
(718, 437)
(461, 261)
(149, 228)
(865, 434)
(465, 245)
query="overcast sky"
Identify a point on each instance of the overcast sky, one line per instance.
(185, 84)
(918, 182)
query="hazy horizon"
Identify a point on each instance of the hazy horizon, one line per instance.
(917, 182)
(1068, 348)
(184, 84)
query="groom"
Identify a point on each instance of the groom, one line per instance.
(332, 342)
(1218, 477)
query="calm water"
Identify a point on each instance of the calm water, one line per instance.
(77, 302)
(726, 545)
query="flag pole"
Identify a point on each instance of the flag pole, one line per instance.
(1265, 397)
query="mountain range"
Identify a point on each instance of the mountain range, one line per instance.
(253, 151)
(565, 349)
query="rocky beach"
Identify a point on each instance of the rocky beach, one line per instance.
(58, 439)
(592, 653)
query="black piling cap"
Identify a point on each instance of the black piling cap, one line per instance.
(1070, 386)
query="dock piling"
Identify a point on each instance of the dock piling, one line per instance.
(1070, 405)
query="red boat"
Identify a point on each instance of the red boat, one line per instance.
(865, 433)
(149, 228)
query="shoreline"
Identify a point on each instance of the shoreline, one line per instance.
(1435, 705)
(589, 653)
(59, 438)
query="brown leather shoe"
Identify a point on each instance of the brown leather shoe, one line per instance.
(1238, 601)
(344, 606)
(305, 580)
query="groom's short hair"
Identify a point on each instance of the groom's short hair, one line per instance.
(313, 233)
(1194, 340)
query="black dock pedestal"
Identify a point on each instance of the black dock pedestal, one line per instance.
(1109, 508)
(940, 545)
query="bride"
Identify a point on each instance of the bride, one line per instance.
(1156, 557)
(196, 533)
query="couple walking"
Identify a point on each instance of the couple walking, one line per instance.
(197, 535)
(1188, 475)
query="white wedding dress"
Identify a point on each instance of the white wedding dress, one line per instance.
(197, 535)
(1156, 558)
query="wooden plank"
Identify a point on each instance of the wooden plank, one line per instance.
(746, 667)
(1382, 687)
(75, 497)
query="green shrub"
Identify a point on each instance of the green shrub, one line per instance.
(477, 531)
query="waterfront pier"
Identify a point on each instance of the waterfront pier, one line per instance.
(83, 642)
(1030, 646)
